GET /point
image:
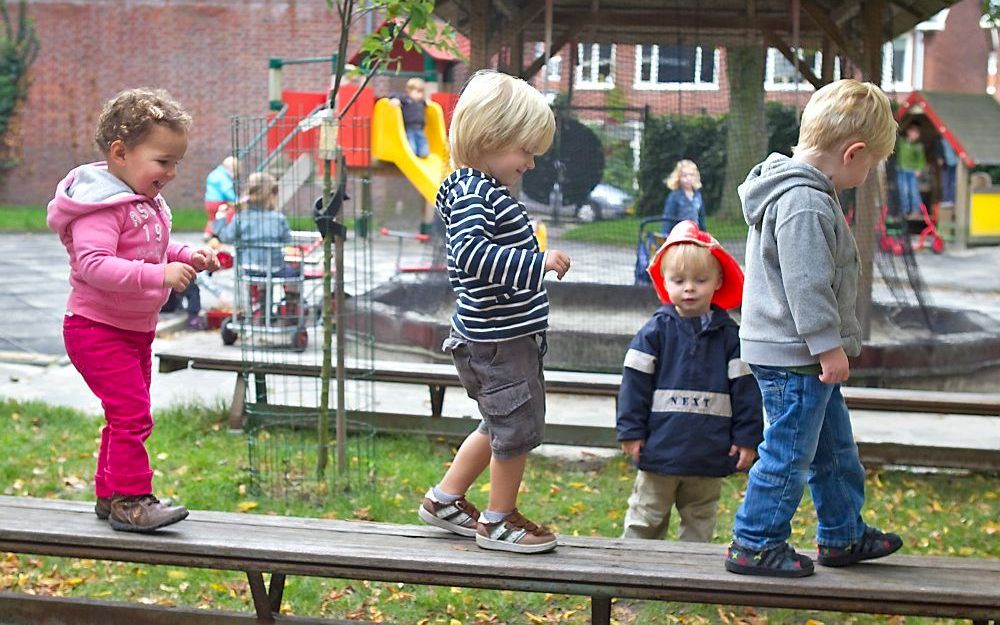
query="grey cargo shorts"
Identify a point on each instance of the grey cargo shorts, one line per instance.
(506, 380)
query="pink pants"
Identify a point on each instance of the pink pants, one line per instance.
(116, 364)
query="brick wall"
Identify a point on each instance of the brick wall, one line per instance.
(210, 54)
(955, 58)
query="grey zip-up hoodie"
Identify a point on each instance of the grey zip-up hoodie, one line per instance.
(801, 267)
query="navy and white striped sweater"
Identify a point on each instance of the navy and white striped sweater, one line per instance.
(494, 264)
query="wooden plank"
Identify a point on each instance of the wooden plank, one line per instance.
(590, 566)
(579, 383)
(22, 609)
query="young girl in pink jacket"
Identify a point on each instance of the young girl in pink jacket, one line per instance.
(116, 228)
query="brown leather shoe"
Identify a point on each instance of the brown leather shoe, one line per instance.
(459, 516)
(103, 506)
(143, 513)
(516, 534)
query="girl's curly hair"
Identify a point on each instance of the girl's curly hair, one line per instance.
(131, 115)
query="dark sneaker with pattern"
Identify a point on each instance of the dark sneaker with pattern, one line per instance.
(780, 561)
(515, 534)
(459, 516)
(103, 507)
(873, 544)
(143, 513)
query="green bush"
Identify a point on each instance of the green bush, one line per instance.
(701, 138)
(18, 49)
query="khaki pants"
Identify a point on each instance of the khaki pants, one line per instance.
(654, 495)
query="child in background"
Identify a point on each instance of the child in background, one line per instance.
(947, 162)
(498, 330)
(910, 163)
(689, 412)
(799, 326)
(116, 228)
(192, 297)
(259, 233)
(684, 201)
(414, 105)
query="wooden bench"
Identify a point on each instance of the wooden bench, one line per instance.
(601, 568)
(439, 377)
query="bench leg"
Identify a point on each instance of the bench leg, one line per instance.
(260, 388)
(275, 590)
(600, 610)
(437, 399)
(261, 601)
(236, 408)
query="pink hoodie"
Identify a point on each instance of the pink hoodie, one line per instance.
(118, 244)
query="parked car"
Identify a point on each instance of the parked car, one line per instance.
(605, 202)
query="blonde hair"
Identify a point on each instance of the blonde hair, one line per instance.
(261, 189)
(689, 257)
(131, 115)
(674, 179)
(497, 113)
(848, 110)
(416, 83)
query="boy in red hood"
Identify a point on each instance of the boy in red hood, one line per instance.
(116, 228)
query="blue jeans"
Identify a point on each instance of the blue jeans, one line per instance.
(418, 141)
(909, 192)
(948, 183)
(807, 438)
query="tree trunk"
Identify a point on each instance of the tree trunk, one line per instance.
(746, 141)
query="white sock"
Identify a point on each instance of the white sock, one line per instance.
(444, 497)
(489, 516)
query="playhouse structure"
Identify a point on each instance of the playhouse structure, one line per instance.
(970, 123)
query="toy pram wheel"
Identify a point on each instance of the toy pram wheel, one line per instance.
(228, 335)
(938, 245)
(301, 340)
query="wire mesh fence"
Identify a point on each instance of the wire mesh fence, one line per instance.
(277, 318)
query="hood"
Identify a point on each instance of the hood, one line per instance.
(442, 202)
(773, 178)
(86, 189)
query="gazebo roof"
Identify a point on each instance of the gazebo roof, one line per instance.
(717, 22)
(970, 122)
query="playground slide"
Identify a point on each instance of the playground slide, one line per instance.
(389, 144)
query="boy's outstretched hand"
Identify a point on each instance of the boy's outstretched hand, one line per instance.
(558, 262)
(836, 369)
(178, 276)
(632, 449)
(205, 260)
(747, 456)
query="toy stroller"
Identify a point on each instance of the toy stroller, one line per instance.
(650, 238)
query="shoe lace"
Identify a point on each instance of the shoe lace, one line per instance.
(518, 520)
(467, 507)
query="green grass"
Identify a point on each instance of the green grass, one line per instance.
(625, 231)
(49, 452)
(32, 219)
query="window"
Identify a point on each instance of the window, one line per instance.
(781, 75)
(684, 67)
(595, 68)
(554, 72)
(897, 63)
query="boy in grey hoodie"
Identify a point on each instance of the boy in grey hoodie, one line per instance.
(798, 328)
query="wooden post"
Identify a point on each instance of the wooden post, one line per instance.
(479, 13)
(963, 206)
(868, 196)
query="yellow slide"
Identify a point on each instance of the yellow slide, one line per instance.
(389, 144)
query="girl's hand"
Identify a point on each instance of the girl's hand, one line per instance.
(178, 276)
(205, 260)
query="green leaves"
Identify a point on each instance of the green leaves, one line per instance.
(18, 50)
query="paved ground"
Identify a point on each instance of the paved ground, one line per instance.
(33, 288)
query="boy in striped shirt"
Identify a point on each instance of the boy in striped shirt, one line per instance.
(498, 330)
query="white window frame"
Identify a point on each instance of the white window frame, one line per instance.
(889, 83)
(553, 72)
(773, 57)
(653, 85)
(591, 82)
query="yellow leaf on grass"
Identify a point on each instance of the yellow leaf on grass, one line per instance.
(177, 575)
(485, 488)
(246, 506)
(534, 618)
(814, 622)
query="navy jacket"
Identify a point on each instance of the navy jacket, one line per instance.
(686, 392)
